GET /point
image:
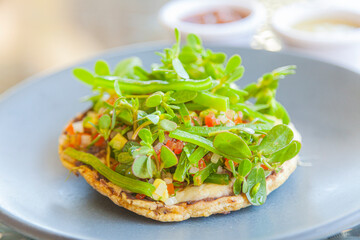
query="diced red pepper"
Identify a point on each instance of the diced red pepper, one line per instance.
(70, 129)
(201, 164)
(210, 120)
(140, 196)
(264, 167)
(178, 147)
(170, 188)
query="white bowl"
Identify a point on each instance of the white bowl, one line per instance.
(238, 32)
(285, 18)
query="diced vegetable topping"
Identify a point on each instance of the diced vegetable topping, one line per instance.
(183, 122)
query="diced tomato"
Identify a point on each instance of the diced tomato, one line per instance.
(111, 100)
(210, 120)
(201, 164)
(100, 142)
(72, 145)
(170, 188)
(70, 129)
(178, 147)
(140, 196)
(114, 166)
(227, 165)
(78, 139)
(75, 140)
(158, 155)
(170, 144)
(238, 118)
(264, 167)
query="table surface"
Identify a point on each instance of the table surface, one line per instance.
(77, 29)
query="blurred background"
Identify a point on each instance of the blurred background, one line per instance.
(39, 35)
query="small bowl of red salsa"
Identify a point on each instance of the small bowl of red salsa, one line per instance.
(225, 21)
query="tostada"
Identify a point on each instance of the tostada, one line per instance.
(181, 140)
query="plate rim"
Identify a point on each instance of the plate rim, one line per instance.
(37, 231)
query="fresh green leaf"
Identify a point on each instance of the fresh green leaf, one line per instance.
(199, 141)
(140, 167)
(232, 64)
(167, 125)
(154, 99)
(236, 75)
(117, 88)
(183, 96)
(183, 165)
(145, 135)
(153, 118)
(244, 167)
(256, 192)
(232, 145)
(194, 42)
(168, 157)
(142, 151)
(125, 157)
(282, 114)
(217, 57)
(221, 179)
(126, 116)
(102, 68)
(207, 131)
(237, 186)
(179, 68)
(105, 122)
(126, 66)
(287, 153)
(277, 138)
(84, 75)
(161, 135)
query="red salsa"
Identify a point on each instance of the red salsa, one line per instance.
(218, 16)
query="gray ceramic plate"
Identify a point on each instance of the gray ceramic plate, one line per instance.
(316, 201)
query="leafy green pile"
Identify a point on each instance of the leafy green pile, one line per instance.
(190, 100)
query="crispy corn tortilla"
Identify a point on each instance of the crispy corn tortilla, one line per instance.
(193, 201)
